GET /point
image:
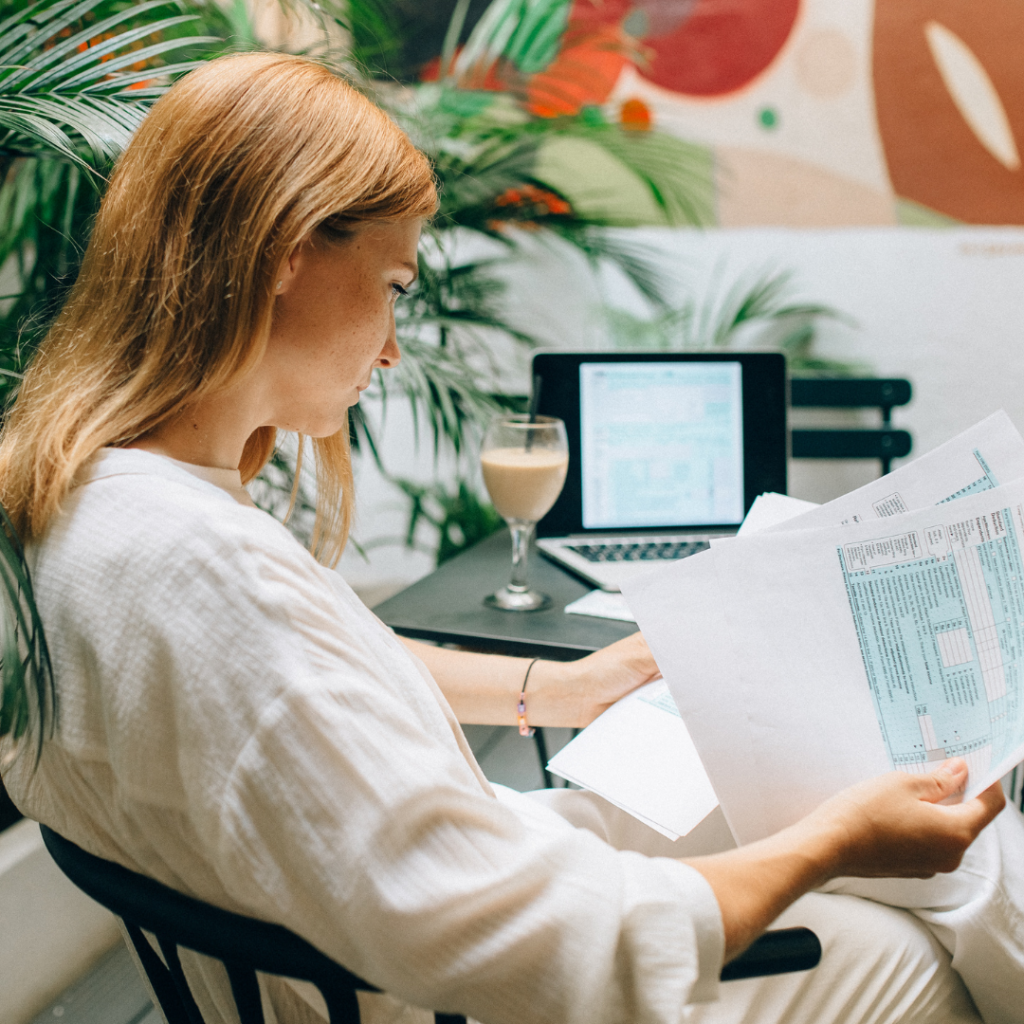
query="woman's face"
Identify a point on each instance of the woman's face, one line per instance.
(334, 321)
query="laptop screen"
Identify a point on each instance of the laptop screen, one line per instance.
(661, 443)
(664, 440)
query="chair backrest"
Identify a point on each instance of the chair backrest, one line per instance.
(243, 944)
(879, 393)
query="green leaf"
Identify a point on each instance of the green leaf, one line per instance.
(27, 697)
(65, 114)
(460, 518)
(93, 71)
(65, 55)
(452, 36)
(753, 311)
(44, 105)
(526, 33)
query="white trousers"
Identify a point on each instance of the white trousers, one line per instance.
(949, 949)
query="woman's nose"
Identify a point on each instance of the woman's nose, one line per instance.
(390, 356)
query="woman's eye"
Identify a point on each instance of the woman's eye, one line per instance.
(398, 290)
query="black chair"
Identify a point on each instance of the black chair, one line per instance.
(884, 444)
(245, 945)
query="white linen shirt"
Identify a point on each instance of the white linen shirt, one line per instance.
(233, 722)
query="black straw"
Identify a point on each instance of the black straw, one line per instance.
(534, 406)
(535, 398)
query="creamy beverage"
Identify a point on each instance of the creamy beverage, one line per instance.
(524, 484)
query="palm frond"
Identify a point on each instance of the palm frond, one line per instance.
(45, 206)
(483, 144)
(525, 33)
(31, 64)
(276, 490)
(677, 175)
(755, 310)
(70, 96)
(26, 674)
(666, 331)
(459, 518)
(447, 392)
(761, 298)
(641, 266)
(40, 123)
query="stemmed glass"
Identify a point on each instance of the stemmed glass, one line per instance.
(524, 461)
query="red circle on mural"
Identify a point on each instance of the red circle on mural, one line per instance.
(700, 47)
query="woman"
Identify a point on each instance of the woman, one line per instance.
(234, 723)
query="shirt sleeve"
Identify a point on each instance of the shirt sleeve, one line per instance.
(317, 780)
(445, 898)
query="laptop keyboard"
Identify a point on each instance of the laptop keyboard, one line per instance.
(626, 552)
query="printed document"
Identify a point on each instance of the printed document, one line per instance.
(804, 660)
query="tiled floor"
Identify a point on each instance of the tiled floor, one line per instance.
(114, 994)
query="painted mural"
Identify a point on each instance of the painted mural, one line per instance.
(817, 112)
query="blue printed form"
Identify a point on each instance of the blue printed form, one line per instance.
(939, 615)
(882, 630)
(985, 482)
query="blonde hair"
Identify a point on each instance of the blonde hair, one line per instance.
(236, 165)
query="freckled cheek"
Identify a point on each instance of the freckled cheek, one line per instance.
(370, 331)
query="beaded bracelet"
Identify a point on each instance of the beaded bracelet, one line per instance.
(524, 729)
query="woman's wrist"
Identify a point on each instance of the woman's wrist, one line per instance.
(754, 884)
(817, 848)
(554, 694)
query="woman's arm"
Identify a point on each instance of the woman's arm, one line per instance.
(483, 689)
(892, 826)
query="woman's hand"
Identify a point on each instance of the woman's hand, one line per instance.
(898, 826)
(895, 826)
(602, 678)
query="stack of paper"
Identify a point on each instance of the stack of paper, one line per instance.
(639, 756)
(884, 629)
(826, 645)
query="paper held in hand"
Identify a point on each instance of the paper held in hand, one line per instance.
(639, 756)
(755, 744)
(811, 654)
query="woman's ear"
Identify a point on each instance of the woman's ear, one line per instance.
(290, 268)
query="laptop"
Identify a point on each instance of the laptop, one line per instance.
(666, 452)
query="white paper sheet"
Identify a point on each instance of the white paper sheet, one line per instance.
(601, 604)
(634, 760)
(771, 509)
(758, 640)
(639, 756)
(986, 455)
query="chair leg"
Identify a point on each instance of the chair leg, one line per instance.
(542, 756)
(170, 952)
(342, 1003)
(160, 979)
(245, 987)
(776, 952)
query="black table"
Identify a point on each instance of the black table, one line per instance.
(447, 607)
